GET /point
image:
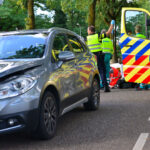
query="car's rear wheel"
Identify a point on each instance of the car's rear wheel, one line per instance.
(48, 116)
(94, 99)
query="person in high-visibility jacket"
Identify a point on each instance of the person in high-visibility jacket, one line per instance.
(94, 41)
(138, 30)
(108, 50)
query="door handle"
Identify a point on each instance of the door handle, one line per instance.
(127, 45)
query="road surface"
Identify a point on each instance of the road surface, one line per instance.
(122, 123)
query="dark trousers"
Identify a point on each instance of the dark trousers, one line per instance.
(101, 67)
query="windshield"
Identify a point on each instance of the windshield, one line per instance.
(22, 46)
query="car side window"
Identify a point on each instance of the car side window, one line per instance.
(76, 45)
(58, 45)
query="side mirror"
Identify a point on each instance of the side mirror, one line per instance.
(148, 22)
(66, 55)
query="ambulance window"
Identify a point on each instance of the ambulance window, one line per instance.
(135, 22)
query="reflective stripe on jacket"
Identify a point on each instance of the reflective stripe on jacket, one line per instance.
(107, 46)
(93, 43)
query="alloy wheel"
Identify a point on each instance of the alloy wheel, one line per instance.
(50, 114)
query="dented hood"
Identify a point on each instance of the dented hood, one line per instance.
(10, 67)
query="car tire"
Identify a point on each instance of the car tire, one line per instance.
(94, 98)
(48, 116)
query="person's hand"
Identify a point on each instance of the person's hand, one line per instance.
(113, 22)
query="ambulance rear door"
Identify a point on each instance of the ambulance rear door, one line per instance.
(135, 51)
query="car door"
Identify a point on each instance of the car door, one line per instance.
(135, 51)
(83, 65)
(64, 73)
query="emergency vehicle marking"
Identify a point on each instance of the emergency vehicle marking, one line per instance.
(138, 49)
(131, 49)
(135, 53)
(125, 48)
(132, 73)
(147, 80)
(145, 75)
(136, 59)
(144, 50)
(128, 58)
(123, 38)
(125, 42)
(131, 61)
(128, 70)
(140, 60)
(138, 75)
(121, 34)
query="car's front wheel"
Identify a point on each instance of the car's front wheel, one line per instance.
(94, 99)
(48, 116)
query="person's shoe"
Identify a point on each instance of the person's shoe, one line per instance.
(106, 89)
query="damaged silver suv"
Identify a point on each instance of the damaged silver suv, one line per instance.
(44, 74)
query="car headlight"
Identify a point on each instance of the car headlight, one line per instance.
(16, 87)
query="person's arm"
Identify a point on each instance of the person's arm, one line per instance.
(110, 28)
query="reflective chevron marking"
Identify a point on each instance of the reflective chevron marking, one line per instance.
(144, 76)
(131, 49)
(131, 74)
(137, 76)
(131, 61)
(121, 34)
(128, 58)
(125, 42)
(147, 80)
(138, 49)
(144, 50)
(138, 62)
(136, 59)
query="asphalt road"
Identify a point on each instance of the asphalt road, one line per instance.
(122, 123)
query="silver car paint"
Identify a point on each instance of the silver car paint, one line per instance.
(46, 73)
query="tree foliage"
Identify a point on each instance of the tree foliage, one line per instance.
(59, 18)
(12, 16)
(75, 15)
(144, 4)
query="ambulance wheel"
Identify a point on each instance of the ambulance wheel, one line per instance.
(94, 98)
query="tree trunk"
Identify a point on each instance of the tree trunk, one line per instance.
(91, 17)
(30, 22)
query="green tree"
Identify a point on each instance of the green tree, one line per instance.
(59, 16)
(75, 17)
(144, 4)
(12, 16)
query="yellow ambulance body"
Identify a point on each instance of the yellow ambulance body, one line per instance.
(135, 51)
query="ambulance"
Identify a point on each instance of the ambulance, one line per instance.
(135, 50)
